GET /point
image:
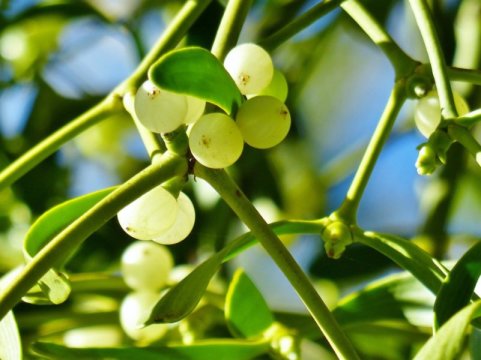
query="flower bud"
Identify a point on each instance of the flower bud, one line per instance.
(337, 236)
(427, 161)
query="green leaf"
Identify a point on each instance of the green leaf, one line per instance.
(10, 344)
(222, 349)
(54, 287)
(448, 342)
(246, 311)
(197, 72)
(458, 287)
(408, 256)
(182, 299)
(395, 297)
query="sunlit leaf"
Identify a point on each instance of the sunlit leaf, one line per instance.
(448, 342)
(53, 284)
(182, 299)
(206, 350)
(10, 344)
(246, 311)
(408, 256)
(458, 286)
(197, 72)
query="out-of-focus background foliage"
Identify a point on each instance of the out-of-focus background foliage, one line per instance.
(58, 58)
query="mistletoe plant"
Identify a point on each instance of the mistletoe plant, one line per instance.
(198, 111)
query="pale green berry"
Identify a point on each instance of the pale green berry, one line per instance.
(159, 110)
(134, 311)
(183, 224)
(93, 336)
(427, 114)
(264, 121)
(277, 87)
(250, 66)
(215, 141)
(150, 215)
(146, 265)
(195, 109)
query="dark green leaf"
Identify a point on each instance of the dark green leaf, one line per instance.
(182, 299)
(408, 256)
(458, 286)
(197, 72)
(53, 284)
(397, 339)
(396, 297)
(448, 342)
(207, 350)
(246, 311)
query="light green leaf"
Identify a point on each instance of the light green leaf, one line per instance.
(458, 286)
(408, 256)
(182, 299)
(247, 313)
(197, 72)
(207, 350)
(173, 307)
(470, 118)
(448, 342)
(54, 287)
(10, 344)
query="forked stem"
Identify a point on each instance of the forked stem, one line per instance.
(348, 209)
(248, 214)
(425, 23)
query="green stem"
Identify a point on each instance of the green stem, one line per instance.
(468, 75)
(465, 138)
(170, 38)
(48, 146)
(348, 209)
(430, 37)
(299, 24)
(152, 143)
(284, 227)
(62, 245)
(244, 209)
(402, 63)
(230, 27)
